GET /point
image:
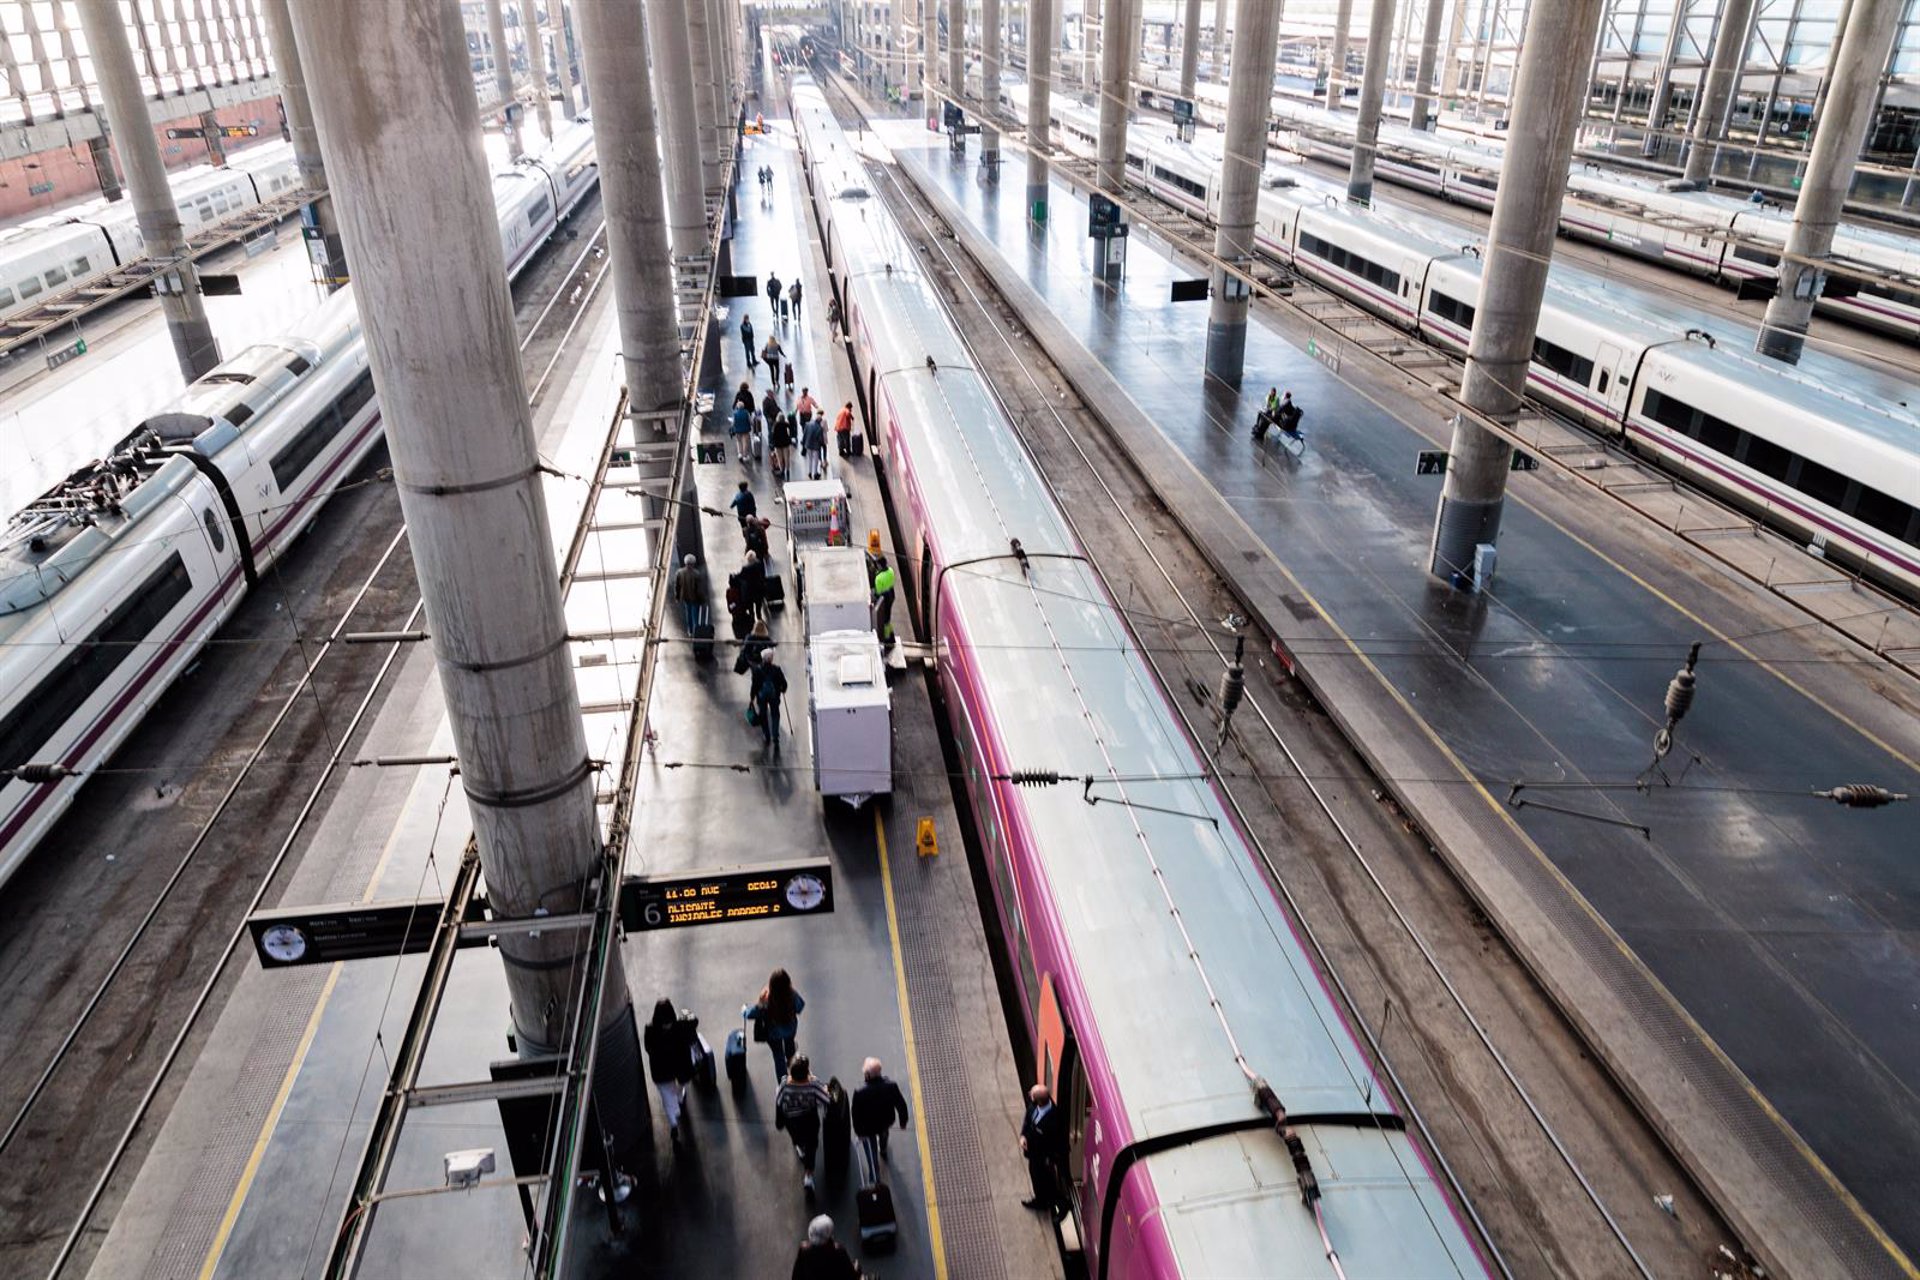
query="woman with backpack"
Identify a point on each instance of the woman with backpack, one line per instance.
(776, 1019)
(797, 1109)
(670, 1041)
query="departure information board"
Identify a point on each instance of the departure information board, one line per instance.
(771, 890)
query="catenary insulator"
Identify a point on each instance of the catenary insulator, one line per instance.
(1860, 795)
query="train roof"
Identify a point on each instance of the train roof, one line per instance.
(1066, 689)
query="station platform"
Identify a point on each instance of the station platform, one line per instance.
(1740, 954)
(249, 1176)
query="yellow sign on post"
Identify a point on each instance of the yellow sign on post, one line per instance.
(926, 843)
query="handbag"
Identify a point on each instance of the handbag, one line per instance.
(759, 1029)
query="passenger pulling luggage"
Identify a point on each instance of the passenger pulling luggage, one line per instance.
(737, 1059)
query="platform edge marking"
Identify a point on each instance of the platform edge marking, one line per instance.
(231, 1217)
(913, 1058)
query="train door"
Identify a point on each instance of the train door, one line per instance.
(1609, 382)
(923, 579)
(1057, 1065)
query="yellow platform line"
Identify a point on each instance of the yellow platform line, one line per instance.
(913, 1058)
(247, 1175)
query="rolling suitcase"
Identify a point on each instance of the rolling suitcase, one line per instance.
(836, 1135)
(776, 596)
(857, 445)
(703, 1074)
(737, 1059)
(703, 644)
(879, 1229)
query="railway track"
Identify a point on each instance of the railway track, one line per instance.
(1554, 1161)
(85, 1091)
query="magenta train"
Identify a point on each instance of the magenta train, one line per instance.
(1170, 1003)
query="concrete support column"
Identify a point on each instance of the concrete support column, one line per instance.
(153, 207)
(401, 132)
(1425, 105)
(620, 75)
(327, 248)
(100, 151)
(1256, 32)
(709, 119)
(723, 82)
(1546, 108)
(1220, 17)
(1116, 74)
(1190, 51)
(957, 49)
(1041, 47)
(1337, 56)
(503, 75)
(989, 87)
(930, 62)
(1373, 88)
(1838, 136)
(667, 23)
(537, 64)
(1663, 81)
(895, 66)
(1716, 93)
(1456, 32)
(569, 68)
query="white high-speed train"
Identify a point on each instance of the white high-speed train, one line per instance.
(50, 255)
(1835, 463)
(1169, 1002)
(112, 581)
(1699, 232)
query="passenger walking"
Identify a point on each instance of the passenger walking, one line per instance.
(743, 398)
(782, 440)
(770, 404)
(793, 296)
(1043, 1141)
(690, 590)
(773, 292)
(876, 1105)
(771, 352)
(742, 424)
(843, 429)
(787, 375)
(769, 691)
(806, 406)
(755, 534)
(745, 505)
(797, 1109)
(751, 583)
(753, 650)
(835, 321)
(821, 1257)
(746, 340)
(776, 1019)
(670, 1050)
(813, 443)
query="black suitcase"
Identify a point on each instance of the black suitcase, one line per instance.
(742, 623)
(837, 1134)
(737, 1059)
(703, 1074)
(857, 446)
(879, 1228)
(703, 642)
(776, 592)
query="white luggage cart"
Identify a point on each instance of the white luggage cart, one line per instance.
(817, 512)
(850, 714)
(834, 595)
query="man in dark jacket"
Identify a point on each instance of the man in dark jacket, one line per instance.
(1043, 1140)
(877, 1105)
(769, 686)
(821, 1257)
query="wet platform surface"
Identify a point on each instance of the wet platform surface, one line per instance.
(1784, 925)
(250, 1174)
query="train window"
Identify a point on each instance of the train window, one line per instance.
(6, 296)
(88, 664)
(239, 413)
(538, 213)
(1901, 297)
(1448, 307)
(1351, 263)
(215, 534)
(1568, 364)
(31, 286)
(80, 266)
(297, 365)
(1719, 435)
(1747, 253)
(55, 276)
(1669, 412)
(299, 453)
(1601, 386)
(1768, 458)
(1887, 514)
(1822, 484)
